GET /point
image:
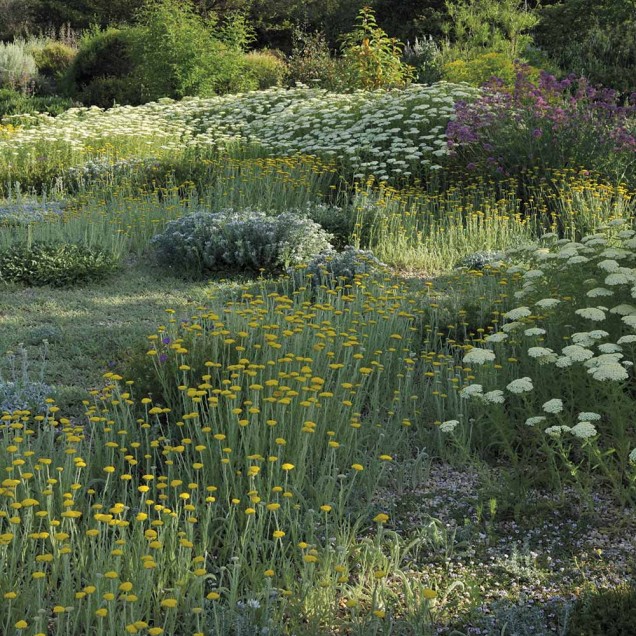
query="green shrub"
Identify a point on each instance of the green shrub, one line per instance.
(55, 264)
(54, 58)
(17, 66)
(371, 58)
(13, 102)
(245, 239)
(312, 64)
(103, 57)
(477, 71)
(266, 68)
(179, 53)
(609, 612)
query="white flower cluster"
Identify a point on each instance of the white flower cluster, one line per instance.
(390, 135)
(479, 356)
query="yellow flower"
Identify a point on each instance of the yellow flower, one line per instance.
(287, 467)
(169, 603)
(59, 609)
(278, 534)
(213, 596)
(155, 631)
(325, 508)
(126, 586)
(269, 573)
(429, 594)
(101, 612)
(21, 624)
(357, 467)
(381, 518)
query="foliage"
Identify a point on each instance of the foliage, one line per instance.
(372, 59)
(545, 125)
(102, 71)
(481, 69)
(605, 611)
(17, 67)
(424, 55)
(54, 58)
(179, 53)
(491, 25)
(58, 265)
(266, 68)
(245, 239)
(17, 103)
(312, 64)
(593, 39)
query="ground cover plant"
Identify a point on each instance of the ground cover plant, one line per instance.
(337, 381)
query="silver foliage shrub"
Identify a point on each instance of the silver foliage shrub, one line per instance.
(239, 239)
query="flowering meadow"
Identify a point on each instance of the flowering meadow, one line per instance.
(296, 362)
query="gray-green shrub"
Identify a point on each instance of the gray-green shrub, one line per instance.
(243, 239)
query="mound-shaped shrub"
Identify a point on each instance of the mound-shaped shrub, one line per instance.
(55, 264)
(244, 239)
(345, 265)
(610, 612)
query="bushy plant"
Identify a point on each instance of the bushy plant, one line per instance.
(371, 58)
(424, 55)
(179, 53)
(54, 58)
(13, 102)
(611, 612)
(25, 211)
(55, 264)
(17, 66)
(266, 68)
(343, 266)
(545, 125)
(244, 239)
(102, 71)
(312, 64)
(479, 70)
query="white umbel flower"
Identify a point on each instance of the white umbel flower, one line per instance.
(577, 353)
(537, 419)
(518, 313)
(591, 313)
(520, 385)
(471, 390)
(448, 426)
(547, 303)
(589, 416)
(612, 372)
(478, 356)
(553, 406)
(584, 430)
(556, 431)
(494, 397)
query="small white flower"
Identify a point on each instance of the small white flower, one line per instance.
(597, 334)
(613, 372)
(494, 397)
(591, 313)
(609, 347)
(496, 337)
(533, 273)
(520, 385)
(537, 419)
(608, 265)
(518, 313)
(563, 362)
(618, 278)
(630, 321)
(547, 303)
(589, 416)
(471, 391)
(623, 309)
(511, 326)
(599, 291)
(534, 331)
(584, 430)
(448, 426)
(630, 339)
(553, 406)
(542, 354)
(478, 356)
(632, 456)
(577, 353)
(556, 431)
